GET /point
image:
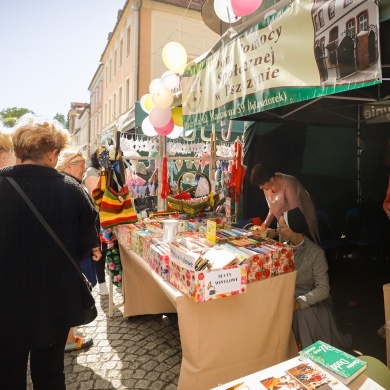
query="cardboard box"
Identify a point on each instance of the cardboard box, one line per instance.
(206, 285)
(123, 234)
(386, 296)
(277, 259)
(136, 240)
(159, 261)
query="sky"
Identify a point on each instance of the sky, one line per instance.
(50, 51)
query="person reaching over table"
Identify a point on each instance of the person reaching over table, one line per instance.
(284, 192)
(314, 317)
(40, 290)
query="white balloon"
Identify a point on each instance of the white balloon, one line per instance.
(176, 132)
(224, 10)
(154, 84)
(170, 80)
(147, 128)
(162, 97)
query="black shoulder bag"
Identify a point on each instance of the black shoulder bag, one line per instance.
(90, 311)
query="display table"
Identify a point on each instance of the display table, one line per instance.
(222, 339)
(253, 381)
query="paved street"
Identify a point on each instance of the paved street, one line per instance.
(141, 353)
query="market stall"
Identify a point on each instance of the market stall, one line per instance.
(221, 339)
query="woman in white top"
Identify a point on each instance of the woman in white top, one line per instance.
(283, 193)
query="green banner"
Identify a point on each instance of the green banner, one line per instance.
(298, 51)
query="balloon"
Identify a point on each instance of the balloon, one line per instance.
(177, 116)
(167, 129)
(154, 84)
(174, 56)
(162, 97)
(149, 103)
(176, 132)
(147, 128)
(170, 80)
(142, 102)
(224, 10)
(245, 7)
(159, 117)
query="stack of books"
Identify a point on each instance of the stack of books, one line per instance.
(340, 364)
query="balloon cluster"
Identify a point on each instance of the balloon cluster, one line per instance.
(231, 11)
(162, 120)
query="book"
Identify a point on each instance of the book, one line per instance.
(340, 364)
(293, 374)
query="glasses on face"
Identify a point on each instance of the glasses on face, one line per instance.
(79, 154)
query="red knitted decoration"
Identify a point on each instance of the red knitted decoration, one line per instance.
(164, 179)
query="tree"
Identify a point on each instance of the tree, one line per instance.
(61, 118)
(11, 114)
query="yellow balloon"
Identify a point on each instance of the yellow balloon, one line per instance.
(177, 116)
(174, 56)
(149, 103)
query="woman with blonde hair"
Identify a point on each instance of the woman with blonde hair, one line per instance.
(40, 290)
(7, 156)
(71, 162)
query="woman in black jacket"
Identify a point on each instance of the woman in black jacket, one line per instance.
(40, 290)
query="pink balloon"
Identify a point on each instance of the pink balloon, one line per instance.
(167, 129)
(245, 7)
(159, 117)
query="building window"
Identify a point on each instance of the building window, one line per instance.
(109, 71)
(115, 61)
(351, 26)
(347, 2)
(331, 10)
(105, 114)
(321, 18)
(114, 106)
(120, 101)
(120, 53)
(109, 111)
(106, 76)
(317, 22)
(127, 98)
(363, 22)
(128, 43)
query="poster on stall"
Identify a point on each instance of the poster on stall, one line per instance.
(298, 51)
(222, 281)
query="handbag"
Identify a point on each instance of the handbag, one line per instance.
(116, 206)
(88, 302)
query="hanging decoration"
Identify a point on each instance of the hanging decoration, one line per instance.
(148, 128)
(226, 136)
(160, 117)
(164, 179)
(174, 56)
(165, 130)
(170, 80)
(224, 10)
(245, 7)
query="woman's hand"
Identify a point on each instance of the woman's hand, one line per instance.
(96, 254)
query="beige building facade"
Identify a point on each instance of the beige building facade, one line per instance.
(132, 57)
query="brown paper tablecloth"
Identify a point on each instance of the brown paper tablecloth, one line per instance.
(222, 339)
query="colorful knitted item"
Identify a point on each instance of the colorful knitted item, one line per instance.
(114, 264)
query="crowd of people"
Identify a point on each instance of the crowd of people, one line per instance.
(41, 292)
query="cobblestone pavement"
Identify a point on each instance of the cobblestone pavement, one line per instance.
(142, 352)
